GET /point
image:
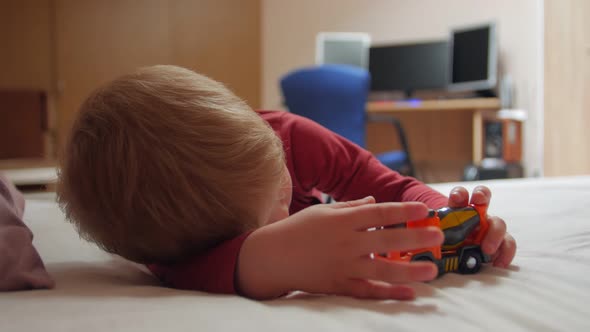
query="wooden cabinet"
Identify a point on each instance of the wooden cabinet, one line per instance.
(23, 124)
(567, 87)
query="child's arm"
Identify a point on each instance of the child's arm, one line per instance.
(324, 160)
(212, 271)
(322, 249)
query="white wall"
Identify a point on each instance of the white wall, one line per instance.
(289, 29)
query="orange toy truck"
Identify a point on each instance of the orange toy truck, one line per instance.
(463, 228)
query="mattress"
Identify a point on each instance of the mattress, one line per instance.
(547, 288)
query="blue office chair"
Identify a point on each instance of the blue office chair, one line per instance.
(335, 96)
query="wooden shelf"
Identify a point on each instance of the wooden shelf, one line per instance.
(434, 105)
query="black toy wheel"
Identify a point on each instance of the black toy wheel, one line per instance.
(428, 257)
(470, 262)
(423, 258)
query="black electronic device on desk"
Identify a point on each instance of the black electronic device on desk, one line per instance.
(502, 148)
(473, 60)
(409, 67)
(464, 66)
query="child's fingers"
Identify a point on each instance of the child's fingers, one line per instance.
(369, 289)
(458, 197)
(481, 195)
(382, 214)
(506, 252)
(494, 236)
(397, 239)
(358, 202)
(392, 272)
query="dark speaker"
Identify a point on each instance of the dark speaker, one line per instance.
(502, 140)
(493, 145)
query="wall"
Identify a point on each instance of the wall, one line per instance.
(289, 29)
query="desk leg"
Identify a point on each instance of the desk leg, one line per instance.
(477, 136)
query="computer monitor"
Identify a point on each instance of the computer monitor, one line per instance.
(473, 58)
(409, 67)
(349, 48)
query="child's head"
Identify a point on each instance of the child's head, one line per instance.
(164, 163)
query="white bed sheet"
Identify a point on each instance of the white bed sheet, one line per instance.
(546, 289)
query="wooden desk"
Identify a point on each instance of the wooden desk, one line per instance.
(444, 135)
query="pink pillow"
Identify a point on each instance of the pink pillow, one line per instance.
(20, 264)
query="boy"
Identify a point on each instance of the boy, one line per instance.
(168, 168)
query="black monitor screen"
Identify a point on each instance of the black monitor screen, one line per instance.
(471, 55)
(409, 67)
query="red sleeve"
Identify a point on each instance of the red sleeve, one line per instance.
(340, 168)
(212, 271)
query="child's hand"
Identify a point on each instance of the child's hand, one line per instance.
(497, 242)
(327, 249)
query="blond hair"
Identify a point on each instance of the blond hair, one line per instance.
(164, 163)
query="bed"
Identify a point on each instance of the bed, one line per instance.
(547, 288)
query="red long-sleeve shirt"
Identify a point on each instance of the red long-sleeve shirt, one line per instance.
(318, 161)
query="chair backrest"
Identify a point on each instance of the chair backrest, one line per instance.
(334, 96)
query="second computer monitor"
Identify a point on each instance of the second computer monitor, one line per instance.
(474, 58)
(409, 67)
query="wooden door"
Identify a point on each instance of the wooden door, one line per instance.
(567, 87)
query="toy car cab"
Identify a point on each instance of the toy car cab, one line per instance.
(463, 229)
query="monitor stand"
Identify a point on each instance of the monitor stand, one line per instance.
(485, 93)
(408, 94)
(488, 93)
